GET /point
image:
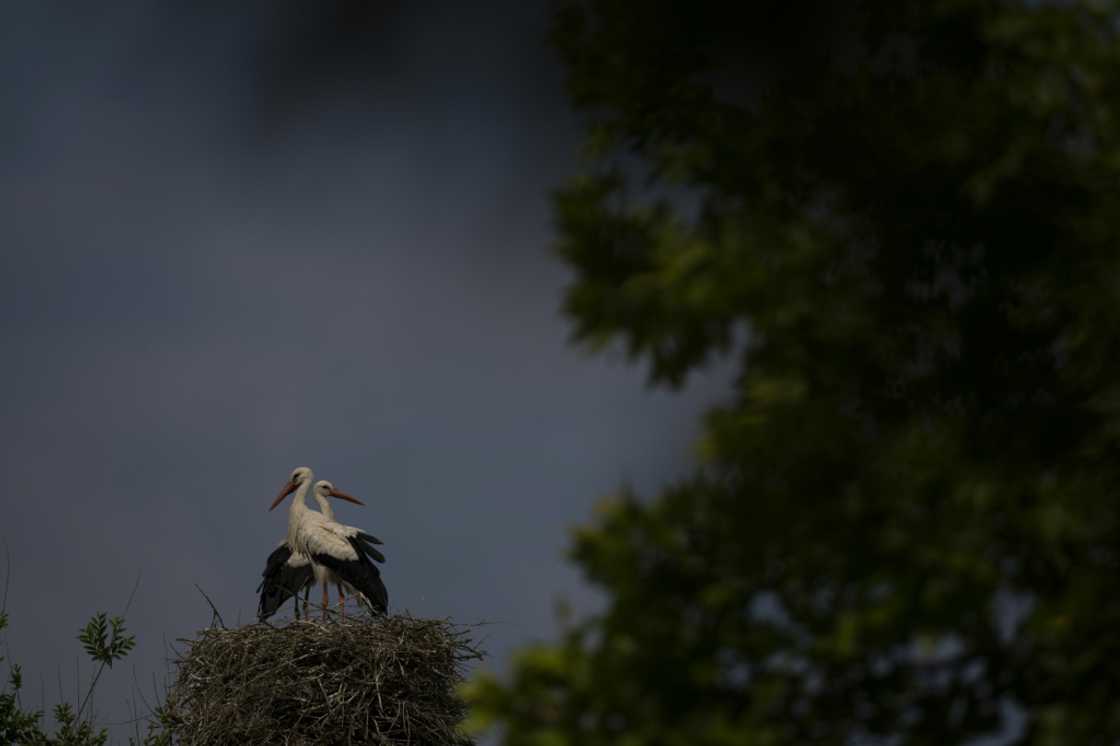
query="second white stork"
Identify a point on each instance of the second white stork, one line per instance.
(338, 553)
(325, 575)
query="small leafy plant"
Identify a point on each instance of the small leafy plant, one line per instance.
(106, 640)
(16, 726)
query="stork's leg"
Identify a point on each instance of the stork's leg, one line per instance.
(341, 601)
(326, 599)
(295, 603)
(306, 600)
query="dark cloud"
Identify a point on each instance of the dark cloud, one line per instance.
(222, 262)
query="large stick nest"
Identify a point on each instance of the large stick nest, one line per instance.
(351, 680)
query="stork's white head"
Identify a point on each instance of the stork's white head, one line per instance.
(323, 488)
(300, 476)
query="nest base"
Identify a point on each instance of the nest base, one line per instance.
(349, 680)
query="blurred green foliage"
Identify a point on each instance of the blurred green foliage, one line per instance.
(902, 223)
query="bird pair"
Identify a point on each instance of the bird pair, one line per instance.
(321, 550)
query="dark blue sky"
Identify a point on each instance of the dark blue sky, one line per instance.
(238, 241)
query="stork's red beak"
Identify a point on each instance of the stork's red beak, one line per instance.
(343, 496)
(289, 488)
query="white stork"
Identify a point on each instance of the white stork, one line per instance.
(324, 575)
(338, 553)
(285, 571)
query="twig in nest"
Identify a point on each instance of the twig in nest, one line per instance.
(217, 614)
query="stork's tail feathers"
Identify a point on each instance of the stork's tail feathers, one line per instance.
(361, 573)
(272, 598)
(368, 606)
(280, 581)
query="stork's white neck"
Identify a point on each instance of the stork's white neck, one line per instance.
(324, 506)
(299, 504)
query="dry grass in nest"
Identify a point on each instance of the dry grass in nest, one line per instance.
(352, 680)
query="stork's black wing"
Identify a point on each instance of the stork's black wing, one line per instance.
(282, 579)
(366, 546)
(360, 572)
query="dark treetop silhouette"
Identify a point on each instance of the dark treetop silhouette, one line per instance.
(906, 523)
